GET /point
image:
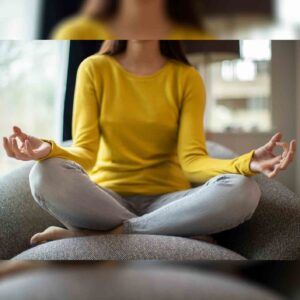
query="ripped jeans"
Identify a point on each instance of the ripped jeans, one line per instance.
(65, 190)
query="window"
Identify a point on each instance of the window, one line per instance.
(288, 11)
(19, 19)
(239, 90)
(30, 75)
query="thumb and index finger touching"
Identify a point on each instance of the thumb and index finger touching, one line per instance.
(20, 134)
(273, 142)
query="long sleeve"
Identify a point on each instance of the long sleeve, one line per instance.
(85, 127)
(193, 156)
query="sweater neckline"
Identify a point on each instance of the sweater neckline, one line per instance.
(135, 76)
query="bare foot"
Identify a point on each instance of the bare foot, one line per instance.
(51, 234)
(118, 230)
(58, 233)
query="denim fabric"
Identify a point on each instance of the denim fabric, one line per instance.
(64, 189)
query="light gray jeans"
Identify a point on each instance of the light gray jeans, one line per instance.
(64, 189)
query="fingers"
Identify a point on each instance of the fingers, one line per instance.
(7, 147)
(275, 172)
(269, 167)
(13, 150)
(273, 167)
(294, 146)
(280, 163)
(274, 161)
(285, 146)
(17, 152)
(289, 155)
(28, 149)
(22, 150)
(21, 135)
(20, 145)
(272, 143)
(17, 133)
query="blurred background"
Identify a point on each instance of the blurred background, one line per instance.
(235, 19)
(155, 280)
(252, 90)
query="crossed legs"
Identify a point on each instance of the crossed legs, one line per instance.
(64, 189)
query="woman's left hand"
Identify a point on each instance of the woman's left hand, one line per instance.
(266, 162)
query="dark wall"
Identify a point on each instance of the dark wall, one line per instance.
(224, 46)
(79, 50)
(53, 11)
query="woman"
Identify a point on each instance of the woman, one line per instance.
(138, 143)
(133, 19)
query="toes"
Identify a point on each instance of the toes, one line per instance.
(53, 229)
(42, 237)
(51, 234)
(36, 239)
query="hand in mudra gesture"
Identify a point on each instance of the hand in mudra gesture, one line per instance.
(266, 162)
(25, 147)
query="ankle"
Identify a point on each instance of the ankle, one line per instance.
(118, 230)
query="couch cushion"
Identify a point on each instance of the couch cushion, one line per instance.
(128, 247)
(20, 216)
(273, 233)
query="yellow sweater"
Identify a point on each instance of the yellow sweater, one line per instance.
(84, 28)
(142, 135)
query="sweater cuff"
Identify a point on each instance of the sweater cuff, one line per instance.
(52, 152)
(246, 164)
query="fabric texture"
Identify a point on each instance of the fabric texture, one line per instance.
(130, 283)
(222, 203)
(20, 216)
(273, 233)
(128, 247)
(156, 128)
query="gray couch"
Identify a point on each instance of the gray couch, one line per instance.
(272, 234)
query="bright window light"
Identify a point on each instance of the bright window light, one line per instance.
(288, 11)
(19, 19)
(256, 50)
(241, 70)
(227, 70)
(32, 80)
(246, 70)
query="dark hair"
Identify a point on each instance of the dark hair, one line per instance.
(184, 12)
(169, 49)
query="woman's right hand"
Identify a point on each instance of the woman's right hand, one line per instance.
(24, 147)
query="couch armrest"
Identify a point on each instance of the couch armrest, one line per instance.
(274, 231)
(20, 216)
